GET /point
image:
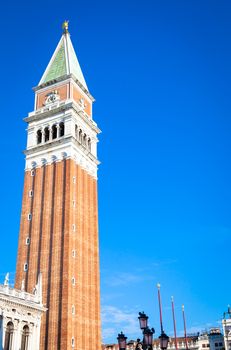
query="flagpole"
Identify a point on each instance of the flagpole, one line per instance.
(160, 308)
(185, 330)
(174, 323)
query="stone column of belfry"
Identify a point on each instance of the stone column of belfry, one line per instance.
(59, 219)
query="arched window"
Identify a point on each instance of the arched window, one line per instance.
(47, 134)
(54, 132)
(9, 336)
(76, 131)
(89, 144)
(85, 140)
(25, 338)
(72, 342)
(80, 135)
(61, 129)
(39, 137)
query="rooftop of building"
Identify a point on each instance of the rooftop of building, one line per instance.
(8, 293)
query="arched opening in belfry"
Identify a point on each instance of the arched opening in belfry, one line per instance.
(25, 338)
(89, 144)
(85, 140)
(47, 134)
(61, 129)
(80, 135)
(76, 131)
(9, 336)
(54, 132)
(39, 137)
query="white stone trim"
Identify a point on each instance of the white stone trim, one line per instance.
(59, 153)
(61, 108)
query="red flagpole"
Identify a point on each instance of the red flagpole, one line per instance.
(174, 323)
(185, 330)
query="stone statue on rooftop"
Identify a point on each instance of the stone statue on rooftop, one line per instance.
(6, 281)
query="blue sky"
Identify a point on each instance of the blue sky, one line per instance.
(160, 71)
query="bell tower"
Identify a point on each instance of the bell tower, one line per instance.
(59, 218)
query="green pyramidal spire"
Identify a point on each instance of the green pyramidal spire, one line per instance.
(64, 61)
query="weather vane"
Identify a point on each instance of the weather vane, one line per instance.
(65, 26)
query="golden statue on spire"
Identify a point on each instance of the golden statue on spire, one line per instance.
(65, 26)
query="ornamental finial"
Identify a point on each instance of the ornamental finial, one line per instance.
(65, 26)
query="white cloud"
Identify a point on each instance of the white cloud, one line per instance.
(109, 334)
(115, 320)
(126, 278)
(139, 274)
(197, 328)
(106, 298)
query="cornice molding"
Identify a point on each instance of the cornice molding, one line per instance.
(62, 141)
(59, 108)
(63, 79)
